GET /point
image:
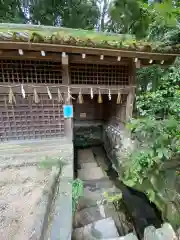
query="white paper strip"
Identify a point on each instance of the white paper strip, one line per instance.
(92, 93)
(23, 91)
(109, 95)
(20, 52)
(43, 53)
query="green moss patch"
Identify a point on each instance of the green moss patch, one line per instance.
(79, 37)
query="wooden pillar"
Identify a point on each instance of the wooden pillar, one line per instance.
(68, 123)
(131, 94)
(129, 104)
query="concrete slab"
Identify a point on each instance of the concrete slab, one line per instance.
(102, 229)
(85, 156)
(91, 173)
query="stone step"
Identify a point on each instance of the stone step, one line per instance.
(99, 151)
(98, 212)
(87, 216)
(123, 225)
(85, 156)
(88, 165)
(129, 236)
(85, 202)
(100, 183)
(91, 173)
(102, 229)
(98, 194)
(101, 162)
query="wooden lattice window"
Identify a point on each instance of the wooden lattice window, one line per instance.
(30, 71)
(27, 120)
(99, 74)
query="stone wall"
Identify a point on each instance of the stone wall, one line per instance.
(165, 185)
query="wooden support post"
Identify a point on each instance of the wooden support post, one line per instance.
(131, 94)
(129, 104)
(68, 123)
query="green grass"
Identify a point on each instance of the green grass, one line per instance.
(49, 162)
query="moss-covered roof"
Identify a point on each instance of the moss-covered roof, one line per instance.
(75, 37)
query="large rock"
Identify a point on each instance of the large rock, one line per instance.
(118, 145)
(102, 229)
(166, 232)
(162, 188)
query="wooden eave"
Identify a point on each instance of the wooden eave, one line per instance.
(146, 58)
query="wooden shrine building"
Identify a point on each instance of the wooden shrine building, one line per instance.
(43, 68)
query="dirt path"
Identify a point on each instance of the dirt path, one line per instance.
(20, 191)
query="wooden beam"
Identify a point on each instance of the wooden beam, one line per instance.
(32, 55)
(85, 89)
(95, 60)
(86, 50)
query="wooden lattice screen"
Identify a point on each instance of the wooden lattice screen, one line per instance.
(26, 119)
(99, 74)
(30, 71)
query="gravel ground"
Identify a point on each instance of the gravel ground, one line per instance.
(20, 192)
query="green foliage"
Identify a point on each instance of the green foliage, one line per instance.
(159, 141)
(77, 192)
(112, 198)
(73, 14)
(149, 19)
(158, 132)
(165, 100)
(49, 162)
(127, 16)
(11, 11)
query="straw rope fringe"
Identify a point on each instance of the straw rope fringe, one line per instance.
(60, 97)
(12, 98)
(99, 97)
(80, 98)
(36, 97)
(118, 98)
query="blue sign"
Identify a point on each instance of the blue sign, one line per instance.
(68, 111)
